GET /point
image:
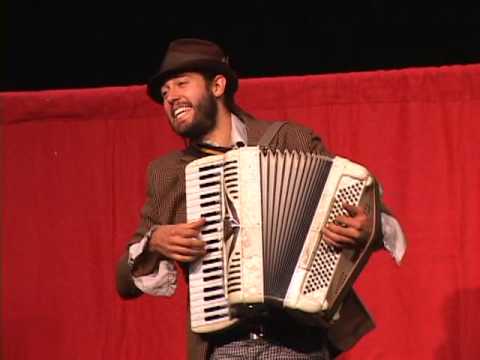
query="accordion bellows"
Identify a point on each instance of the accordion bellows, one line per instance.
(265, 211)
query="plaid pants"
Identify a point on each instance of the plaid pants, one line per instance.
(261, 349)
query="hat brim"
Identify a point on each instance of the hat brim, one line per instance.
(207, 66)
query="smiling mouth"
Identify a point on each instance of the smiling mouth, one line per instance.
(180, 112)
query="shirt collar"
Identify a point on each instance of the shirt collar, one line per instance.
(238, 134)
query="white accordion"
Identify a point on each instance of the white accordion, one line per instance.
(265, 211)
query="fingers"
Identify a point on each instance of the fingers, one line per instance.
(197, 224)
(355, 212)
(187, 230)
(347, 222)
(348, 231)
(184, 232)
(183, 259)
(341, 237)
(185, 254)
(192, 243)
(352, 209)
(179, 242)
(184, 250)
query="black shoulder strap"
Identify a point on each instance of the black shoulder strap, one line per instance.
(270, 133)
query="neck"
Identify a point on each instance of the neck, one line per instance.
(221, 134)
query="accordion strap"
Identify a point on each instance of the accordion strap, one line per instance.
(270, 133)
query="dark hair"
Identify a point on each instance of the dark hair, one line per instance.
(229, 96)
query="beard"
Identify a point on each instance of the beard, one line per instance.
(205, 118)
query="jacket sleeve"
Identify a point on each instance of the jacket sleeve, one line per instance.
(162, 279)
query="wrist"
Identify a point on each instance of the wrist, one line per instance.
(147, 261)
(148, 236)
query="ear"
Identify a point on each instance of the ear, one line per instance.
(218, 85)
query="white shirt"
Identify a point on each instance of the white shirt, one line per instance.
(162, 282)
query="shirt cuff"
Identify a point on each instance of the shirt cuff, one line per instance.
(161, 282)
(393, 237)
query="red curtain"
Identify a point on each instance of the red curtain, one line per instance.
(73, 182)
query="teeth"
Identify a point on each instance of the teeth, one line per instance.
(179, 111)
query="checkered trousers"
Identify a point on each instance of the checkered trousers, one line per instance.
(261, 349)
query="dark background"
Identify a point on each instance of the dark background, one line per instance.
(89, 44)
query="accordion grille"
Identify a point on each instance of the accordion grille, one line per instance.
(327, 256)
(292, 184)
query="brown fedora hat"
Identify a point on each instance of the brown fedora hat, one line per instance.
(197, 55)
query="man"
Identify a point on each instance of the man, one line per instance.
(196, 86)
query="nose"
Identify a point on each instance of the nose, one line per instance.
(171, 96)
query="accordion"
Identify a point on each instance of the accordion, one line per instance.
(265, 210)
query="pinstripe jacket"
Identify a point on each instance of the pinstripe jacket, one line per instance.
(166, 205)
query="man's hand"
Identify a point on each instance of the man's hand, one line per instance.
(179, 242)
(348, 231)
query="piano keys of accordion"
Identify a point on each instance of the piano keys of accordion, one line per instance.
(209, 309)
(211, 316)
